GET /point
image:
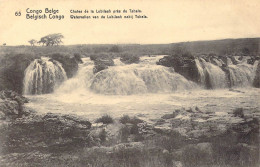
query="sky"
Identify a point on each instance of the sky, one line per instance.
(168, 21)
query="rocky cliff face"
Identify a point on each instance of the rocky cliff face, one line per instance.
(69, 63)
(12, 69)
(11, 105)
(184, 65)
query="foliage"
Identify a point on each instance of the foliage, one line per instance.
(105, 119)
(32, 42)
(51, 39)
(114, 48)
(238, 112)
(129, 58)
(126, 119)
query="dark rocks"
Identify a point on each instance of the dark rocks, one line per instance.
(52, 132)
(12, 68)
(102, 64)
(78, 58)
(202, 69)
(69, 63)
(11, 104)
(169, 116)
(256, 82)
(182, 64)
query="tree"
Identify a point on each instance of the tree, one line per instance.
(245, 51)
(51, 39)
(115, 49)
(32, 42)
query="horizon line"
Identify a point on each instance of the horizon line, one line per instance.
(218, 39)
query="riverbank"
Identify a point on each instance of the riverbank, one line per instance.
(187, 136)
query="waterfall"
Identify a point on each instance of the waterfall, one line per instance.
(242, 74)
(122, 79)
(135, 79)
(211, 76)
(145, 77)
(43, 76)
(81, 81)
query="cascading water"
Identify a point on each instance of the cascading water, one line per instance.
(104, 92)
(43, 76)
(211, 76)
(81, 81)
(242, 74)
(121, 79)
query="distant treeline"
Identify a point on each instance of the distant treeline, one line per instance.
(244, 46)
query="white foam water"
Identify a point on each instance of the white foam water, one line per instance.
(43, 76)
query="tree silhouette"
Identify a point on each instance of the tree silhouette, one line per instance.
(51, 39)
(32, 42)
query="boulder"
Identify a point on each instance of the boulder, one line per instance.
(102, 64)
(182, 64)
(52, 132)
(69, 63)
(11, 105)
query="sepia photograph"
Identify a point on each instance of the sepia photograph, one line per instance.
(129, 83)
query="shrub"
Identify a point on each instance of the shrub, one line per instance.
(129, 58)
(105, 119)
(238, 112)
(78, 58)
(126, 119)
(115, 49)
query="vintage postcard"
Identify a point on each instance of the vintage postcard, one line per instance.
(129, 83)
